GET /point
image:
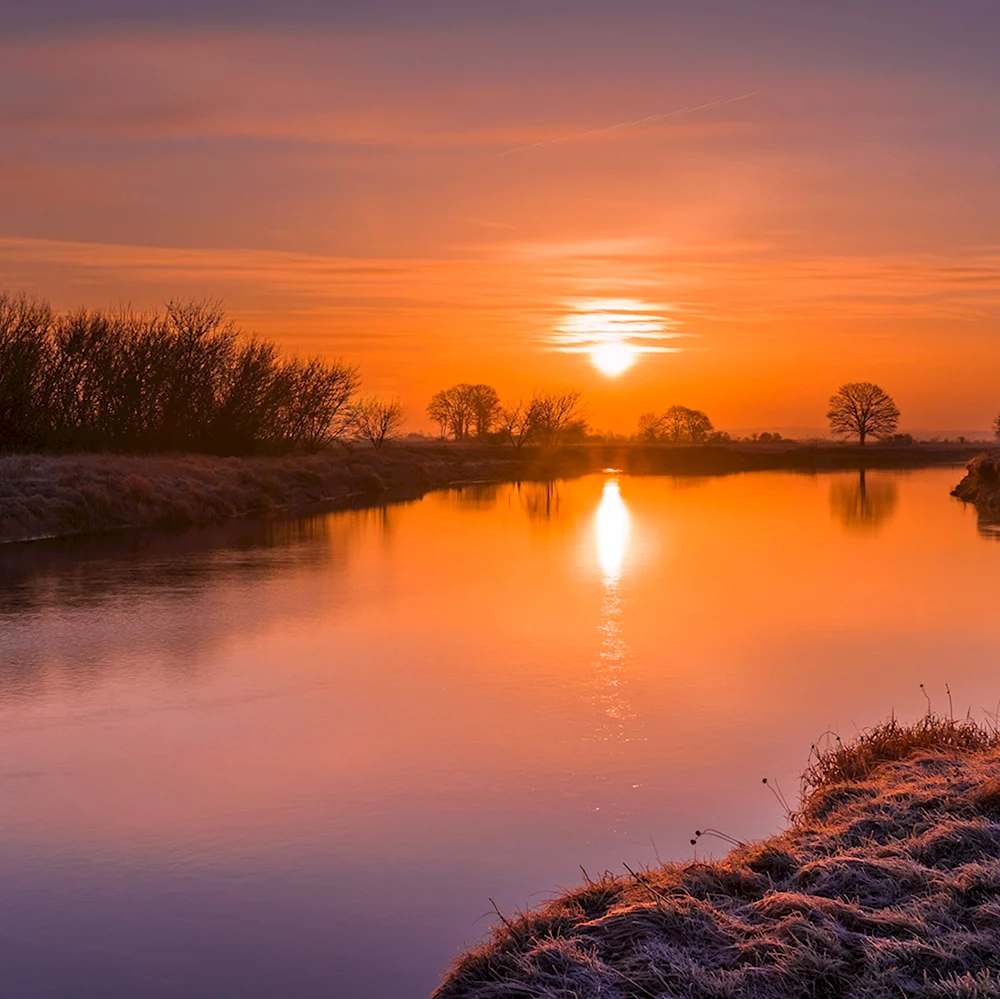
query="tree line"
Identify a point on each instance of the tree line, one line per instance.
(474, 412)
(857, 409)
(186, 379)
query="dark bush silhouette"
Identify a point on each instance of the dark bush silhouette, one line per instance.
(184, 380)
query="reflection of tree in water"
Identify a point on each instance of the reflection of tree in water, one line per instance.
(865, 503)
(480, 496)
(539, 499)
(68, 608)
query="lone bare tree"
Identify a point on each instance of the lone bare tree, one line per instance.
(378, 420)
(996, 427)
(862, 410)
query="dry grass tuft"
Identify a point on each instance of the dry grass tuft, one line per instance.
(894, 741)
(887, 883)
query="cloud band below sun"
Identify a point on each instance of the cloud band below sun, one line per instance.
(614, 332)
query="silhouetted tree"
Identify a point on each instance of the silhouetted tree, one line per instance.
(484, 404)
(25, 364)
(862, 410)
(186, 379)
(377, 420)
(451, 409)
(575, 432)
(516, 424)
(678, 425)
(552, 413)
(996, 427)
(464, 411)
(650, 427)
(315, 407)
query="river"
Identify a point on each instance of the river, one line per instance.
(298, 760)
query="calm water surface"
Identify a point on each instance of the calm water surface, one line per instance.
(297, 761)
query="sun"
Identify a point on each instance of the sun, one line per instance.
(614, 332)
(613, 357)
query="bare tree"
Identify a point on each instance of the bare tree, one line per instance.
(650, 427)
(439, 410)
(686, 426)
(186, 379)
(517, 424)
(552, 413)
(465, 411)
(862, 410)
(678, 425)
(996, 427)
(452, 409)
(378, 420)
(318, 409)
(484, 407)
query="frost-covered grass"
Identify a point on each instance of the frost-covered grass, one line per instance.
(57, 495)
(886, 884)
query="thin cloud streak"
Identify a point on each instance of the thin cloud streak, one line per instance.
(607, 129)
(739, 283)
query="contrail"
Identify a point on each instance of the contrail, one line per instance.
(628, 124)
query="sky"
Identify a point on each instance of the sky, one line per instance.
(761, 199)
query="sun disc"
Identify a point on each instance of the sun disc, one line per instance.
(612, 357)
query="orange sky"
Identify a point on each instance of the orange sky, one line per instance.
(431, 196)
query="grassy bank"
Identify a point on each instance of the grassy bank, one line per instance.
(61, 495)
(886, 883)
(981, 485)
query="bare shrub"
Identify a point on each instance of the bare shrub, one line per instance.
(187, 379)
(378, 420)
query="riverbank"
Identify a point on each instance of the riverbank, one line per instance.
(981, 485)
(46, 496)
(887, 882)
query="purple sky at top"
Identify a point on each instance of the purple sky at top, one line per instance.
(263, 151)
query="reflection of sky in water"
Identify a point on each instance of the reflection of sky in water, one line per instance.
(238, 766)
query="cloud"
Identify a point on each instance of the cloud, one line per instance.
(524, 285)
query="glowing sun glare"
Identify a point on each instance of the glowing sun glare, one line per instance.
(614, 332)
(613, 357)
(611, 528)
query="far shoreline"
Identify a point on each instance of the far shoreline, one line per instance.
(51, 496)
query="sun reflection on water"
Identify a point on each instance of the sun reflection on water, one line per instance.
(611, 529)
